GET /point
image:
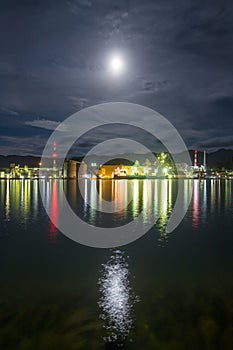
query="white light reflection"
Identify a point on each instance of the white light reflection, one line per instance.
(35, 198)
(117, 298)
(92, 196)
(135, 198)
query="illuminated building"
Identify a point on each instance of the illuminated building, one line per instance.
(72, 169)
(65, 169)
(82, 171)
(110, 171)
(106, 171)
(69, 169)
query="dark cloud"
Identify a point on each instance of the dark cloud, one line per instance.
(178, 57)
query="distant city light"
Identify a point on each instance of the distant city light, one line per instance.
(163, 167)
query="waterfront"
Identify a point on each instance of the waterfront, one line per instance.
(173, 291)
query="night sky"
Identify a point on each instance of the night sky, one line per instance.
(54, 61)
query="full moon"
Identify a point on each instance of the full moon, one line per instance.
(116, 64)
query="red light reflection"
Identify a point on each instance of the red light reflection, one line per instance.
(196, 209)
(53, 231)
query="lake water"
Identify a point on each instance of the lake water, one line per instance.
(163, 291)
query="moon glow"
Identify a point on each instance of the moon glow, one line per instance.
(116, 64)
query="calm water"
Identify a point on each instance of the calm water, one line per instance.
(160, 292)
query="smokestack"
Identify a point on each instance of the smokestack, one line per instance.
(195, 158)
(54, 156)
(204, 161)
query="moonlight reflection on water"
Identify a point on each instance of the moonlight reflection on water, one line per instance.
(117, 298)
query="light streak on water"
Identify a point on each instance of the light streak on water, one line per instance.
(117, 298)
(7, 205)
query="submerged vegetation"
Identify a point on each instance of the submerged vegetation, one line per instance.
(200, 319)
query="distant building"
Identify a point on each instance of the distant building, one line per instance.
(2, 174)
(82, 171)
(109, 171)
(69, 169)
(65, 169)
(72, 169)
(106, 171)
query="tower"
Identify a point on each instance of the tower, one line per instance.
(204, 160)
(195, 158)
(54, 156)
